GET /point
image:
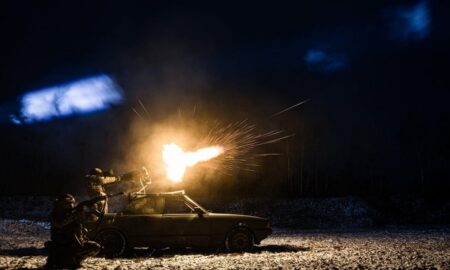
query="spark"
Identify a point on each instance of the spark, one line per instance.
(137, 113)
(240, 142)
(234, 146)
(177, 161)
(143, 107)
(291, 107)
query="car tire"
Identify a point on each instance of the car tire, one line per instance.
(113, 243)
(239, 240)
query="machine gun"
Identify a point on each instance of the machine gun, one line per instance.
(142, 175)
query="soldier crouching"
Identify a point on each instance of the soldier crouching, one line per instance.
(69, 245)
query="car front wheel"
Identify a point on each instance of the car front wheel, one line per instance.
(239, 240)
(113, 243)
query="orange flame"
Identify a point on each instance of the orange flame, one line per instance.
(176, 160)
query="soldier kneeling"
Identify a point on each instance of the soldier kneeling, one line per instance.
(69, 245)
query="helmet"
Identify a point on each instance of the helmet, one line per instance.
(65, 201)
(109, 172)
(96, 171)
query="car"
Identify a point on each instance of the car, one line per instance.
(172, 219)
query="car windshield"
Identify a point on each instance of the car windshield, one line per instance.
(193, 204)
(162, 205)
(177, 206)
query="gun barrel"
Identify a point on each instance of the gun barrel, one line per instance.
(97, 199)
(115, 194)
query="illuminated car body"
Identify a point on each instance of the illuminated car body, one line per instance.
(159, 220)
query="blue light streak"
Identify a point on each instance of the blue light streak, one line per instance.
(76, 98)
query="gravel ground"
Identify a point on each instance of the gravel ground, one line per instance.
(21, 246)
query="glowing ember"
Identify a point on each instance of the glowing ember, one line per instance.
(177, 160)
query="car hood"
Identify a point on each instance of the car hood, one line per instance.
(235, 216)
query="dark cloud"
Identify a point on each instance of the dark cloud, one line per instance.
(319, 60)
(410, 22)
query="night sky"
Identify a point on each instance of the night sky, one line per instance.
(376, 73)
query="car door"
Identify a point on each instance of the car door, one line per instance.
(141, 222)
(142, 230)
(182, 227)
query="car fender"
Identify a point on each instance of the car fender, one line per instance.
(240, 225)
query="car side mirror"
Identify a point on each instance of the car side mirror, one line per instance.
(198, 211)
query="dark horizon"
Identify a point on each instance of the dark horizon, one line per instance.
(377, 122)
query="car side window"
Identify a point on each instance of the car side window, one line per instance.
(176, 206)
(145, 206)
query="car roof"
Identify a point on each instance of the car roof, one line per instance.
(178, 193)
